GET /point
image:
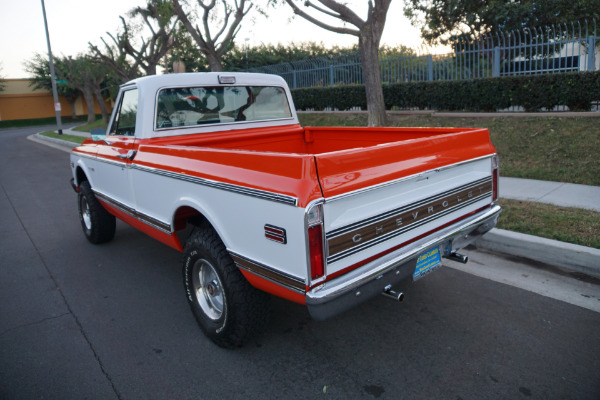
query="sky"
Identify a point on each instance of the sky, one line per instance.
(74, 23)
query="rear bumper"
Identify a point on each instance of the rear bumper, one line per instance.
(368, 281)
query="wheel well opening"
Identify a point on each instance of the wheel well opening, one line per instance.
(80, 176)
(185, 220)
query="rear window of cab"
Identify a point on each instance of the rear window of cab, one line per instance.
(194, 106)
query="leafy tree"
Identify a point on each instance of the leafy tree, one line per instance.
(87, 76)
(220, 13)
(39, 69)
(369, 33)
(442, 21)
(115, 58)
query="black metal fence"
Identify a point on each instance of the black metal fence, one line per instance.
(551, 49)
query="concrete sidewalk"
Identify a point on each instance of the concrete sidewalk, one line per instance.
(557, 193)
(552, 252)
(568, 256)
(71, 131)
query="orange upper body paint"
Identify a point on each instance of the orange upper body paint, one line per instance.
(307, 163)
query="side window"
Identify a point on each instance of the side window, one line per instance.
(124, 123)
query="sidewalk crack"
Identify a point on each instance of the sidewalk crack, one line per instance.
(32, 323)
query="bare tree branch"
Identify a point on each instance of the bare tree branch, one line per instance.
(225, 22)
(127, 56)
(346, 13)
(323, 10)
(194, 31)
(214, 45)
(319, 23)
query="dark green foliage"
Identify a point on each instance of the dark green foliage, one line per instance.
(577, 90)
(344, 97)
(443, 21)
(259, 56)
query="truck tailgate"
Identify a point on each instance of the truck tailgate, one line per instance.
(382, 197)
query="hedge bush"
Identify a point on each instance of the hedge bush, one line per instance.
(577, 90)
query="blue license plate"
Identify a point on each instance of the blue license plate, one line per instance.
(427, 263)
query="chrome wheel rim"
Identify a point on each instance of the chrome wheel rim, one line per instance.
(85, 214)
(208, 289)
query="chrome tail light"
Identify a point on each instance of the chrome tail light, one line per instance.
(314, 228)
(495, 178)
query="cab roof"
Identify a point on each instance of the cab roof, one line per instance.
(153, 83)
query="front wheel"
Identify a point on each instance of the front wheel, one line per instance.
(228, 309)
(97, 224)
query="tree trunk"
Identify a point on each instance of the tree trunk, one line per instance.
(102, 105)
(73, 112)
(369, 55)
(89, 102)
(150, 69)
(214, 62)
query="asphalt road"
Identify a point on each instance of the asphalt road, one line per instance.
(79, 321)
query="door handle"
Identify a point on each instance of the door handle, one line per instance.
(128, 156)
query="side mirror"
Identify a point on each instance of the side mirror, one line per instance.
(98, 134)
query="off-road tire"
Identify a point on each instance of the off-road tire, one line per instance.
(228, 309)
(98, 224)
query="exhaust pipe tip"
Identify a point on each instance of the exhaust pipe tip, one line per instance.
(392, 294)
(461, 258)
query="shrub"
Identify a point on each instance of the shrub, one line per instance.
(577, 90)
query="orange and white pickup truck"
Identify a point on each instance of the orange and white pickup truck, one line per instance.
(217, 166)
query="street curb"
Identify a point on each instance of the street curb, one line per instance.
(59, 144)
(552, 252)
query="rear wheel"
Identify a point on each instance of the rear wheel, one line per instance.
(97, 224)
(228, 309)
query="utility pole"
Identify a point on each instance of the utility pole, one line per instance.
(57, 108)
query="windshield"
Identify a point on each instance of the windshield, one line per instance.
(191, 106)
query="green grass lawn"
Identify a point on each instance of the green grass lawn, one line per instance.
(88, 127)
(70, 138)
(571, 225)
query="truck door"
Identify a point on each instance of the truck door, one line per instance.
(115, 154)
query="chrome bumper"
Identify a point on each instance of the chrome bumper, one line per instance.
(370, 280)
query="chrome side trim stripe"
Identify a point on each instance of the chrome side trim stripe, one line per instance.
(261, 194)
(280, 278)
(148, 220)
